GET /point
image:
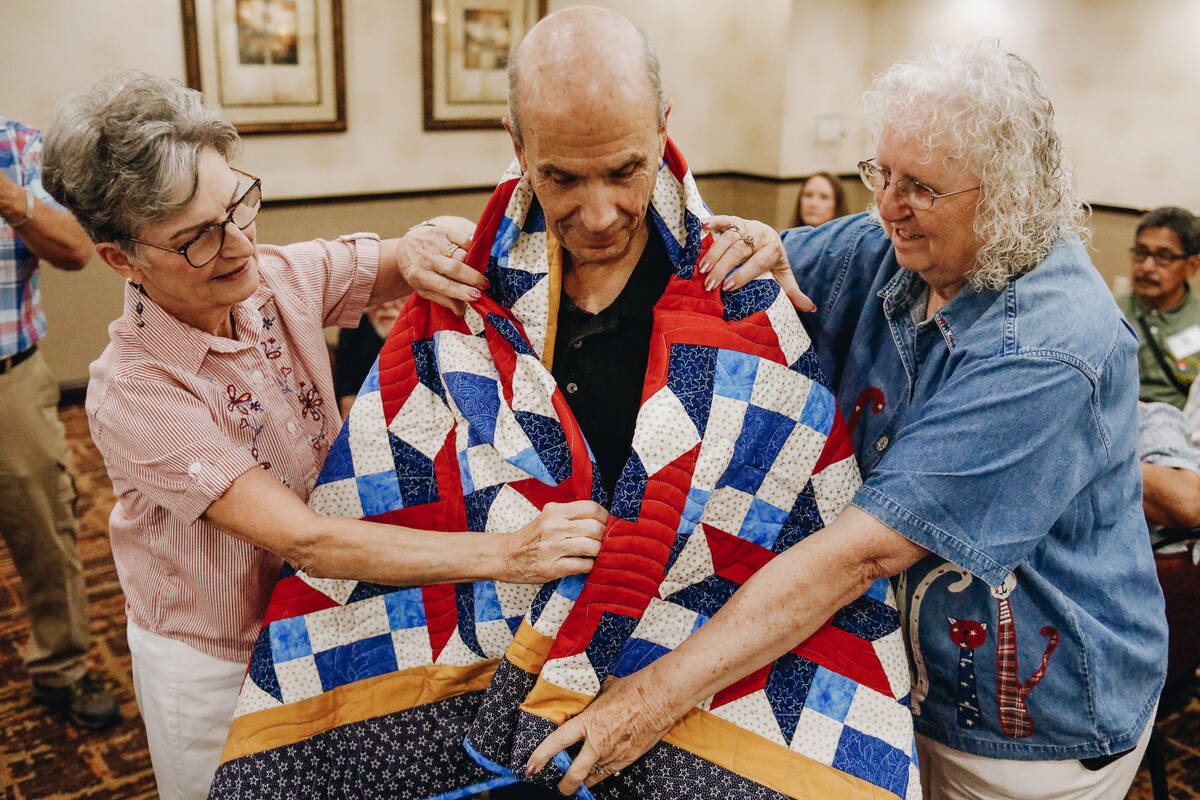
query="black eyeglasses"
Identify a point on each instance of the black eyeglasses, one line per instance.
(205, 245)
(1162, 258)
(911, 192)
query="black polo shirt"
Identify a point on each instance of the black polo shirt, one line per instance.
(600, 360)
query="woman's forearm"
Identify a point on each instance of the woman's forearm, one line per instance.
(562, 540)
(780, 606)
(400, 556)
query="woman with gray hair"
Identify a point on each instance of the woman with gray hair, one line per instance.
(990, 386)
(213, 407)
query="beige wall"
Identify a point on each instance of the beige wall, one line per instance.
(1124, 78)
(749, 80)
(750, 83)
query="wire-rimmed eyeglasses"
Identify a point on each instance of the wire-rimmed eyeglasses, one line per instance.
(205, 245)
(911, 192)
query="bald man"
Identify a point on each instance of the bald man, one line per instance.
(589, 127)
(587, 121)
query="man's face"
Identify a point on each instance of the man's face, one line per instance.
(1161, 286)
(593, 171)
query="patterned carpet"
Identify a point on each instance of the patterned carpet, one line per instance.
(43, 757)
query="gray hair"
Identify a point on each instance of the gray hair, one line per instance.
(987, 107)
(124, 153)
(653, 74)
(1179, 221)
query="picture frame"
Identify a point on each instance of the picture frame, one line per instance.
(464, 54)
(272, 66)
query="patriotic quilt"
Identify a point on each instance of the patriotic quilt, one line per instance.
(369, 691)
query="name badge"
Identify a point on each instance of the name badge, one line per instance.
(1185, 343)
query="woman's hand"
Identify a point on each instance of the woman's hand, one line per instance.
(562, 540)
(742, 250)
(628, 717)
(431, 262)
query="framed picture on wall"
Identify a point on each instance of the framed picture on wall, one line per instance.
(273, 66)
(464, 48)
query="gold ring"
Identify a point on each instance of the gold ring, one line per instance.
(735, 228)
(449, 251)
(600, 769)
(748, 239)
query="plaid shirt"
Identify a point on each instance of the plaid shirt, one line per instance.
(22, 322)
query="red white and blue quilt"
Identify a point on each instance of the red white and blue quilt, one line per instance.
(368, 691)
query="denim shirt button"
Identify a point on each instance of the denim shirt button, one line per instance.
(882, 443)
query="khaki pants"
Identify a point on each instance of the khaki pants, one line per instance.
(37, 521)
(949, 774)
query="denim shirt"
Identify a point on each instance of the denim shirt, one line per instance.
(1000, 434)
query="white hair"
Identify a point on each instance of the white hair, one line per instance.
(987, 107)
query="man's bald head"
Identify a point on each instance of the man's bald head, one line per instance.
(580, 54)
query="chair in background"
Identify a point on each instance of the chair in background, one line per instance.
(1180, 581)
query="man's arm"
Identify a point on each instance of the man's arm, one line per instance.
(787, 600)
(1170, 496)
(51, 234)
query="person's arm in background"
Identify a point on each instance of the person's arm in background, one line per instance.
(1170, 467)
(1170, 496)
(50, 233)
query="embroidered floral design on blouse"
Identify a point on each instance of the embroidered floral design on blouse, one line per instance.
(310, 401)
(267, 322)
(243, 403)
(255, 428)
(271, 348)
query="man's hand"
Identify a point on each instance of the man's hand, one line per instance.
(742, 250)
(562, 540)
(628, 717)
(431, 262)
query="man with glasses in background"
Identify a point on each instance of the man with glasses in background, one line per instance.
(1161, 308)
(37, 491)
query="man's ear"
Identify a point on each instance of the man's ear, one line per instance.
(518, 150)
(662, 132)
(120, 261)
(1193, 265)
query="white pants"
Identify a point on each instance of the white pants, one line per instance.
(949, 774)
(187, 700)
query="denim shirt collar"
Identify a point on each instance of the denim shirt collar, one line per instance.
(906, 289)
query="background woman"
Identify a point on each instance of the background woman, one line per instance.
(213, 407)
(821, 199)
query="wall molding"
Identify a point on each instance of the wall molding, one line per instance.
(1111, 209)
(450, 191)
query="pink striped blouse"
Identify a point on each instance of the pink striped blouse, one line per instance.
(178, 414)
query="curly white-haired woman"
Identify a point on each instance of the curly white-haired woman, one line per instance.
(991, 386)
(213, 406)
